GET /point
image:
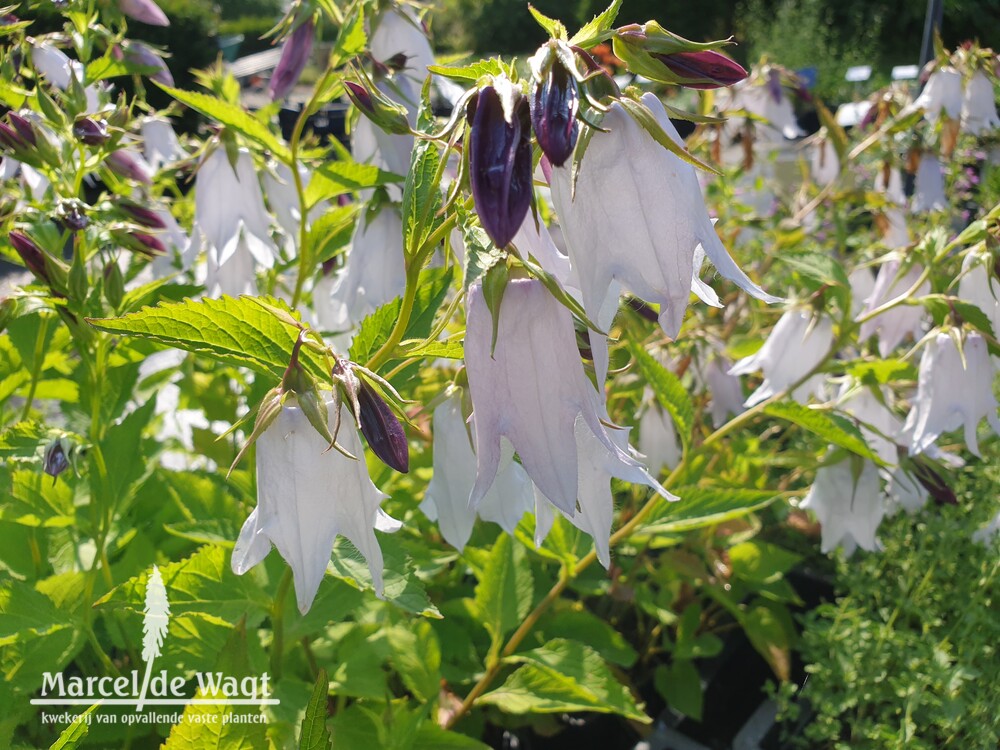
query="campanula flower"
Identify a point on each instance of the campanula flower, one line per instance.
(658, 438)
(307, 495)
(942, 93)
(979, 108)
(160, 145)
(823, 162)
(980, 286)
(847, 501)
(928, 192)
(903, 320)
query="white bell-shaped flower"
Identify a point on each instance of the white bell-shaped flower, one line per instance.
(530, 390)
(862, 282)
(952, 393)
(987, 533)
(597, 466)
(943, 93)
(903, 320)
(770, 104)
(823, 162)
(637, 217)
(375, 272)
(447, 497)
(306, 497)
(979, 107)
(233, 276)
(398, 31)
(724, 389)
(928, 193)
(230, 211)
(658, 438)
(979, 285)
(889, 182)
(878, 424)
(160, 145)
(848, 505)
(798, 342)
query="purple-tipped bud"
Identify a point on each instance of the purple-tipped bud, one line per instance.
(12, 140)
(124, 164)
(554, 103)
(706, 69)
(933, 482)
(382, 430)
(31, 255)
(145, 11)
(73, 217)
(294, 56)
(360, 96)
(23, 127)
(141, 54)
(142, 215)
(148, 244)
(385, 113)
(500, 164)
(90, 131)
(55, 462)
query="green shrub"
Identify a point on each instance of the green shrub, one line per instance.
(908, 656)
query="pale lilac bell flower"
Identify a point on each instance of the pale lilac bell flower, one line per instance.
(848, 506)
(979, 107)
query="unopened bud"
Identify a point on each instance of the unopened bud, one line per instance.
(385, 113)
(295, 54)
(114, 284)
(382, 430)
(90, 131)
(55, 461)
(23, 127)
(141, 54)
(126, 165)
(145, 11)
(72, 216)
(141, 215)
(554, 104)
(31, 255)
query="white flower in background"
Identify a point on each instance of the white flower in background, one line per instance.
(724, 389)
(657, 438)
(398, 31)
(768, 102)
(235, 275)
(823, 162)
(795, 346)
(979, 108)
(928, 194)
(59, 70)
(979, 286)
(447, 497)
(596, 467)
(879, 425)
(627, 174)
(279, 186)
(375, 272)
(847, 501)
(903, 320)
(862, 282)
(943, 92)
(889, 182)
(231, 218)
(306, 496)
(530, 390)
(987, 533)
(905, 489)
(952, 394)
(159, 143)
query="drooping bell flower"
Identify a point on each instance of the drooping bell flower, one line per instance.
(637, 218)
(145, 11)
(928, 194)
(862, 282)
(554, 104)
(724, 389)
(767, 102)
(847, 501)
(282, 197)
(306, 497)
(160, 145)
(375, 272)
(986, 534)
(59, 70)
(794, 347)
(230, 212)
(90, 131)
(658, 438)
(295, 54)
(952, 393)
(980, 286)
(943, 93)
(398, 33)
(500, 159)
(823, 161)
(895, 324)
(979, 107)
(529, 389)
(447, 496)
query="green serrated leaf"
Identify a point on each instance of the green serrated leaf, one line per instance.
(400, 586)
(553, 27)
(680, 686)
(338, 177)
(824, 268)
(235, 331)
(701, 506)
(505, 589)
(598, 28)
(473, 72)
(831, 427)
(233, 117)
(416, 655)
(421, 197)
(563, 676)
(670, 393)
(314, 733)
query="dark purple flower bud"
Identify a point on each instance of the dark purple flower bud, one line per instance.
(142, 215)
(73, 217)
(145, 11)
(933, 482)
(55, 462)
(126, 165)
(382, 430)
(706, 69)
(23, 127)
(500, 164)
(554, 103)
(90, 131)
(294, 56)
(360, 96)
(387, 114)
(140, 54)
(774, 85)
(31, 255)
(148, 244)
(12, 140)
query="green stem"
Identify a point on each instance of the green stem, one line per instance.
(278, 624)
(36, 365)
